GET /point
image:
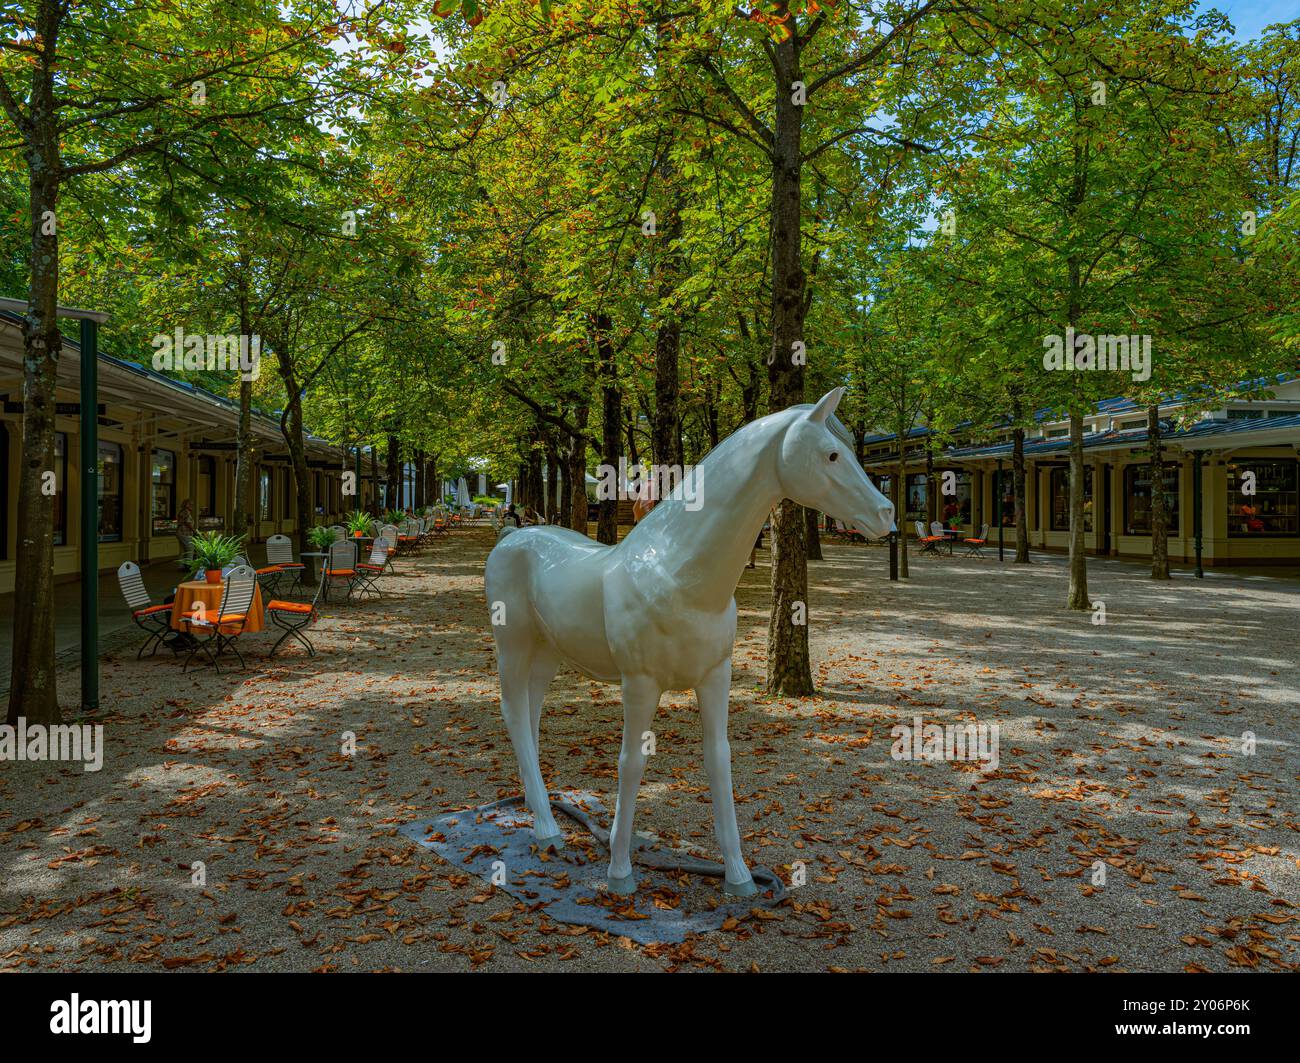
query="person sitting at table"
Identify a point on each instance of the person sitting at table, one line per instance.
(511, 515)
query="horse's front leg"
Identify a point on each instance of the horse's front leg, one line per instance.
(640, 700)
(713, 695)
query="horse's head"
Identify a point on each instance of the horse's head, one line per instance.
(818, 470)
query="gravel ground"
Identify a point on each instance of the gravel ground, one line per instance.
(1120, 745)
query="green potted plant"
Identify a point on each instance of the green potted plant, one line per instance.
(320, 538)
(212, 552)
(358, 523)
(394, 516)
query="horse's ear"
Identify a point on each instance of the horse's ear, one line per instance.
(826, 405)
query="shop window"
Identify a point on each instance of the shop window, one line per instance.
(110, 492)
(163, 485)
(1006, 480)
(1137, 499)
(207, 517)
(1059, 492)
(954, 505)
(1272, 506)
(914, 507)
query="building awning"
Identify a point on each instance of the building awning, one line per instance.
(186, 407)
(1206, 434)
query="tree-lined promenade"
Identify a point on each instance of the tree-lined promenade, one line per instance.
(559, 235)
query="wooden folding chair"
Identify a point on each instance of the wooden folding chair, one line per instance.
(279, 564)
(975, 545)
(153, 620)
(225, 625)
(368, 572)
(341, 566)
(929, 544)
(294, 618)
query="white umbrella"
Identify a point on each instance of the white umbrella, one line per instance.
(510, 494)
(462, 494)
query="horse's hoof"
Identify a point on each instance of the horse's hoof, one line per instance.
(624, 886)
(740, 889)
(555, 841)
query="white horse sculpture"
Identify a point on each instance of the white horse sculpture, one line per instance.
(657, 611)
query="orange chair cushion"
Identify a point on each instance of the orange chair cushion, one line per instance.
(371, 568)
(149, 609)
(342, 572)
(289, 607)
(269, 568)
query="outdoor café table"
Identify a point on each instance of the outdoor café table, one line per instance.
(950, 535)
(190, 593)
(322, 555)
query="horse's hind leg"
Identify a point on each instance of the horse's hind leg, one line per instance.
(515, 669)
(545, 665)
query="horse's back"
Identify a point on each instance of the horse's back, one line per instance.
(552, 578)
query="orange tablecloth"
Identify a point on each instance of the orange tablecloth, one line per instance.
(188, 595)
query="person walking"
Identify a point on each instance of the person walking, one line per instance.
(185, 532)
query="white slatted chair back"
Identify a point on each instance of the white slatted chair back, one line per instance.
(936, 527)
(132, 585)
(279, 550)
(389, 532)
(984, 532)
(920, 529)
(343, 554)
(379, 551)
(238, 561)
(237, 594)
(339, 532)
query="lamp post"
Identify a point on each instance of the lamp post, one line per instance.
(1196, 510)
(998, 511)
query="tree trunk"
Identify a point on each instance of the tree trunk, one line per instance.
(1078, 559)
(575, 474)
(814, 539)
(1159, 511)
(931, 495)
(611, 427)
(32, 687)
(244, 458)
(899, 492)
(394, 473)
(1018, 482)
(551, 512)
(575, 470)
(789, 670)
(291, 429)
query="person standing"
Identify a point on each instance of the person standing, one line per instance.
(185, 532)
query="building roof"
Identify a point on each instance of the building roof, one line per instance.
(1206, 434)
(167, 398)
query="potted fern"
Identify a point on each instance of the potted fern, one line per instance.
(358, 523)
(320, 538)
(212, 552)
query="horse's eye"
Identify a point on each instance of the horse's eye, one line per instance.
(835, 455)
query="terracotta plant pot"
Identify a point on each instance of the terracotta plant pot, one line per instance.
(356, 535)
(213, 575)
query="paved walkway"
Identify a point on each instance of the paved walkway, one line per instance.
(114, 617)
(1142, 814)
